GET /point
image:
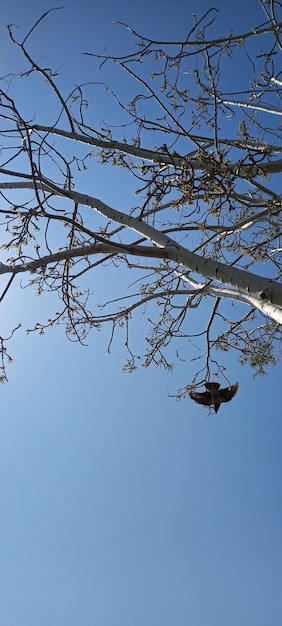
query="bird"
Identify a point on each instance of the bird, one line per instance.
(214, 396)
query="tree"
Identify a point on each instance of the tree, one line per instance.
(203, 240)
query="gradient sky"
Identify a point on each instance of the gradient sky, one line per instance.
(120, 506)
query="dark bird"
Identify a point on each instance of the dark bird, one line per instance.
(214, 396)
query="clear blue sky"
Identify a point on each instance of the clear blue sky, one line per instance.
(120, 506)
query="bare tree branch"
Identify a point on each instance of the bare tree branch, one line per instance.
(205, 230)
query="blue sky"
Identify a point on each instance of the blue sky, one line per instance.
(120, 506)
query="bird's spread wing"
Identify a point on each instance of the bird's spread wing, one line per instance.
(201, 398)
(228, 393)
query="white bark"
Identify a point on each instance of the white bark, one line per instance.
(249, 105)
(265, 307)
(181, 162)
(259, 292)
